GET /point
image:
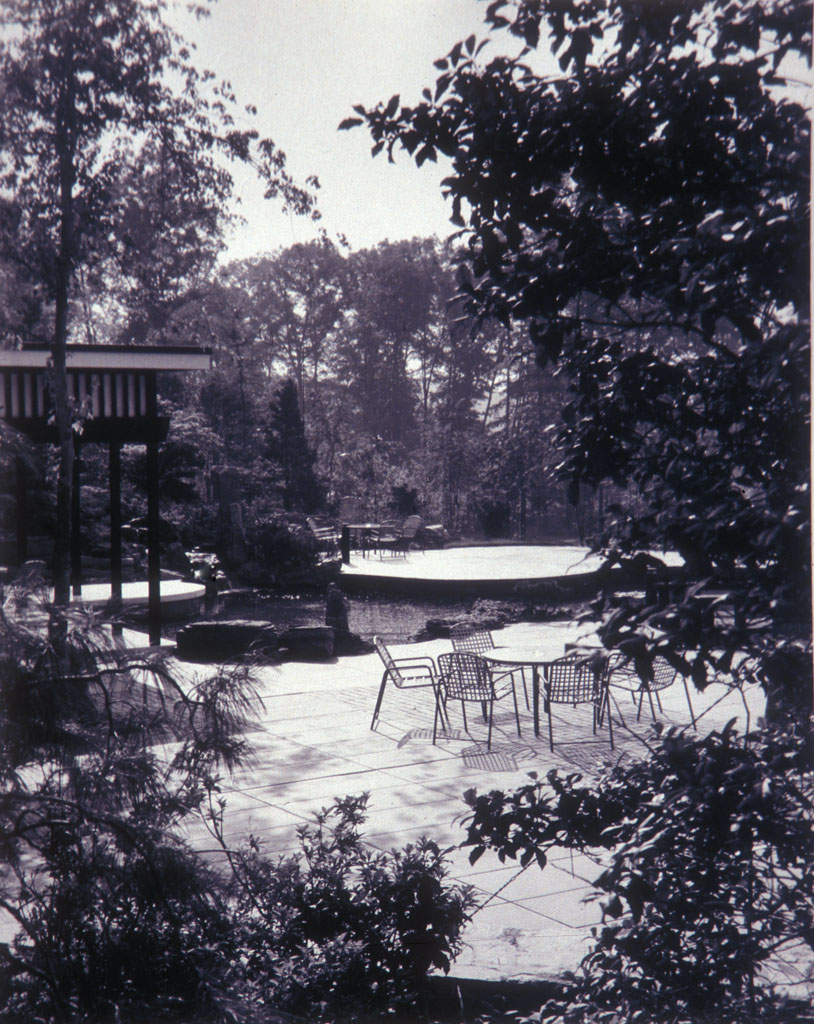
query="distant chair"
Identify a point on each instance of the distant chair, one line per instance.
(467, 636)
(465, 676)
(326, 536)
(404, 674)
(400, 542)
(575, 680)
(621, 674)
(351, 510)
(352, 513)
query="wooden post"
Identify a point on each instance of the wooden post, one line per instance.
(153, 523)
(344, 544)
(22, 516)
(115, 461)
(76, 536)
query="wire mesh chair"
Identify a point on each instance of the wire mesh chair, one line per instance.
(466, 636)
(621, 674)
(576, 680)
(404, 674)
(465, 676)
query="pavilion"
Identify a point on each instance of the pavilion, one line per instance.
(118, 387)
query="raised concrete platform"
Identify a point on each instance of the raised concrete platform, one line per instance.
(177, 596)
(479, 571)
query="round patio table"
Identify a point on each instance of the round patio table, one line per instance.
(535, 658)
(362, 531)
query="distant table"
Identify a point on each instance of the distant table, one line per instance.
(362, 531)
(535, 658)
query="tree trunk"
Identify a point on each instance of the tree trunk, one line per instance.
(65, 142)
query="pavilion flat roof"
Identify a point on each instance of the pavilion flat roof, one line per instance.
(136, 358)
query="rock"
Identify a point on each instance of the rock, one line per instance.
(350, 644)
(309, 643)
(221, 641)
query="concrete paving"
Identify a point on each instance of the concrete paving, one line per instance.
(312, 742)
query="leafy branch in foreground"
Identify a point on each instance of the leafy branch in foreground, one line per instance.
(708, 878)
(106, 756)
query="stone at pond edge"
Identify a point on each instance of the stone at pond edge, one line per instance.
(221, 640)
(309, 643)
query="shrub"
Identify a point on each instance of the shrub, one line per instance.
(710, 884)
(341, 932)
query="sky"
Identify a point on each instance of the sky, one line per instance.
(304, 64)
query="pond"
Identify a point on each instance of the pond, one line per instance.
(394, 620)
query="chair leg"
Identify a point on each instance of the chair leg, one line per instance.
(550, 731)
(440, 712)
(463, 712)
(610, 716)
(516, 712)
(435, 719)
(483, 709)
(525, 689)
(689, 703)
(379, 700)
(489, 737)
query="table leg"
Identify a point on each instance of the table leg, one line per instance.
(535, 697)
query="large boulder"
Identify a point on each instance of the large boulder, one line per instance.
(309, 643)
(221, 641)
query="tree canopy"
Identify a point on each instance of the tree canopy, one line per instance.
(110, 139)
(639, 201)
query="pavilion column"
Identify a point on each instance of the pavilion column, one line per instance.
(153, 522)
(76, 534)
(115, 526)
(22, 515)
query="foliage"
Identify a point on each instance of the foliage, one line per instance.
(276, 551)
(621, 207)
(290, 452)
(709, 884)
(119, 919)
(111, 138)
(341, 932)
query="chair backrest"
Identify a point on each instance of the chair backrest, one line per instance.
(351, 510)
(571, 680)
(663, 674)
(465, 676)
(466, 636)
(389, 664)
(411, 526)
(620, 668)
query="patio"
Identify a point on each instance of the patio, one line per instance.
(312, 742)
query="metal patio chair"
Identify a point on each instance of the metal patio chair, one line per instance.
(465, 676)
(327, 537)
(621, 674)
(575, 680)
(466, 636)
(404, 674)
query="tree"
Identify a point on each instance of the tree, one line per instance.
(622, 206)
(90, 89)
(290, 451)
(621, 200)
